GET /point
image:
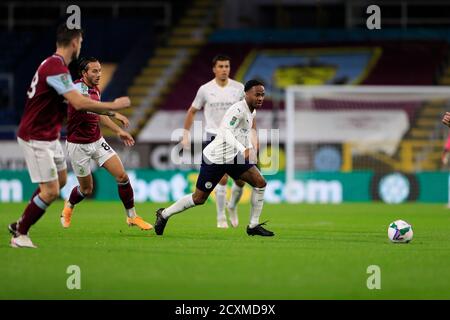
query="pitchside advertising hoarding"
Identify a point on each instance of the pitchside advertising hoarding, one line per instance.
(308, 187)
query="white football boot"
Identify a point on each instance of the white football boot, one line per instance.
(22, 241)
(221, 223)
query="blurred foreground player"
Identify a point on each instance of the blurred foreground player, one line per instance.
(40, 126)
(85, 142)
(224, 156)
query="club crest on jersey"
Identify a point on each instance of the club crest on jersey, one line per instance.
(233, 121)
(208, 185)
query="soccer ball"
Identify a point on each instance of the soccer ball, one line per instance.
(400, 231)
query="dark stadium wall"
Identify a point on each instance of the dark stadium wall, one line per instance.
(109, 40)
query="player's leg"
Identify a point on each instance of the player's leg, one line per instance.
(126, 194)
(61, 166)
(209, 177)
(199, 197)
(62, 178)
(221, 193)
(253, 177)
(236, 194)
(80, 157)
(84, 189)
(39, 156)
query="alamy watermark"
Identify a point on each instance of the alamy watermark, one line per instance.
(374, 280)
(74, 280)
(374, 20)
(74, 20)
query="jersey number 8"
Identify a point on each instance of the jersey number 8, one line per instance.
(32, 91)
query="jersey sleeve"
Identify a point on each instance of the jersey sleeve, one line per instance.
(232, 118)
(241, 92)
(199, 100)
(62, 82)
(230, 121)
(82, 88)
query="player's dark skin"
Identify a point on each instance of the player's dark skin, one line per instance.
(254, 98)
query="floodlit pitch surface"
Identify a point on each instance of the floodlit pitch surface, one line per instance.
(318, 252)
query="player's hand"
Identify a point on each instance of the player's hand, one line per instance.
(124, 120)
(446, 119)
(126, 138)
(122, 102)
(186, 141)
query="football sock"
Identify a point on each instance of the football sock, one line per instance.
(257, 205)
(131, 213)
(182, 204)
(126, 194)
(35, 193)
(76, 196)
(221, 192)
(236, 194)
(33, 212)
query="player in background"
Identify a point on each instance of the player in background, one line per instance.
(40, 126)
(222, 156)
(85, 142)
(445, 152)
(215, 98)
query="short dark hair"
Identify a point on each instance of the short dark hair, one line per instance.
(83, 64)
(65, 35)
(252, 83)
(220, 57)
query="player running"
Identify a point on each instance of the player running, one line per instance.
(224, 156)
(85, 142)
(40, 127)
(215, 97)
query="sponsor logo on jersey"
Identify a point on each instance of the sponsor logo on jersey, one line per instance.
(84, 89)
(65, 80)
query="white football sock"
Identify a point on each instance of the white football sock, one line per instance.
(236, 194)
(182, 204)
(257, 205)
(131, 213)
(221, 192)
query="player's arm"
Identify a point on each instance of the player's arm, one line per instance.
(445, 152)
(188, 120)
(127, 138)
(120, 117)
(80, 102)
(230, 121)
(63, 85)
(197, 104)
(254, 136)
(107, 122)
(252, 154)
(446, 119)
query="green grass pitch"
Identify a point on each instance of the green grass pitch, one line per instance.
(319, 252)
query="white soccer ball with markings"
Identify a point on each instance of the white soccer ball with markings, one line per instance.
(400, 231)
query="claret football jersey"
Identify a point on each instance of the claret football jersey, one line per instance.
(44, 108)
